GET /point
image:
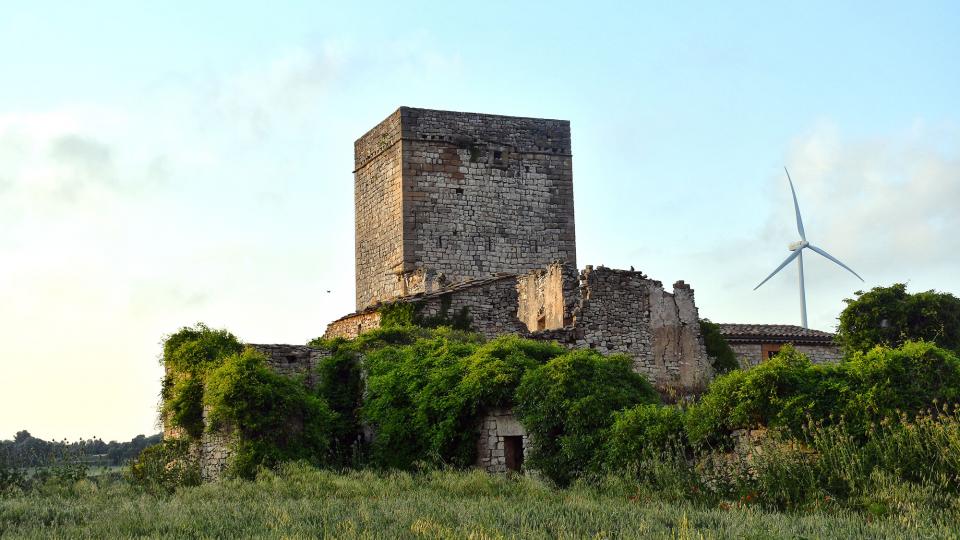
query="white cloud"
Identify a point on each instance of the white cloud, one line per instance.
(890, 202)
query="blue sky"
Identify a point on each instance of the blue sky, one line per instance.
(166, 165)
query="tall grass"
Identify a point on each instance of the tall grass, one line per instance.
(908, 468)
(299, 501)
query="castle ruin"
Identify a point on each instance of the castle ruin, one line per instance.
(473, 213)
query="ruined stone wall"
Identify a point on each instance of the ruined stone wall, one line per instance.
(623, 311)
(353, 325)
(491, 451)
(547, 297)
(378, 203)
(486, 193)
(491, 306)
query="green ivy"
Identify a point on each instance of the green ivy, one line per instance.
(275, 417)
(723, 358)
(567, 406)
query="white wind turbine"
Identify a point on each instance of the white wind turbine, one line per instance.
(797, 249)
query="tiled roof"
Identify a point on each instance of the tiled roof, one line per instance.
(773, 333)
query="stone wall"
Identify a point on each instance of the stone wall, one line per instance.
(467, 195)
(378, 206)
(490, 304)
(751, 354)
(491, 443)
(623, 311)
(487, 193)
(353, 325)
(547, 297)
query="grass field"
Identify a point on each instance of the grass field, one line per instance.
(301, 502)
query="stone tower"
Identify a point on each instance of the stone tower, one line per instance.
(443, 197)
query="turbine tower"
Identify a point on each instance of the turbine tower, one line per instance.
(797, 249)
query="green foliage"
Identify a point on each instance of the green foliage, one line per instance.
(299, 501)
(197, 349)
(424, 398)
(396, 314)
(907, 379)
(276, 417)
(340, 385)
(188, 355)
(164, 467)
(185, 405)
(723, 357)
(567, 406)
(890, 316)
(642, 432)
(788, 390)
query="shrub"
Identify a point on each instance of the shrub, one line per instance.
(198, 349)
(787, 391)
(568, 404)
(722, 356)
(188, 355)
(425, 398)
(890, 317)
(164, 467)
(909, 379)
(642, 432)
(275, 417)
(340, 385)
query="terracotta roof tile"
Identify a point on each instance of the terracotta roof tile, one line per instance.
(775, 333)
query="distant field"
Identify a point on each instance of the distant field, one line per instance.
(304, 503)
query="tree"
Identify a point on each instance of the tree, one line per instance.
(21, 436)
(890, 316)
(719, 351)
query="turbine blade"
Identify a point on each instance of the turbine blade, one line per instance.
(792, 256)
(796, 206)
(834, 259)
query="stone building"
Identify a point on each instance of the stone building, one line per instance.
(754, 343)
(471, 215)
(443, 197)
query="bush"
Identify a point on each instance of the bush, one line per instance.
(274, 417)
(642, 432)
(890, 317)
(198, 349)
(722, 356)
(165, 467)
(188, 355)
(425, 398)
(340, 385)
(787, 391)
(568, 404)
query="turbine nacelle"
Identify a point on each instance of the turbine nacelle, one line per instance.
(799, 244)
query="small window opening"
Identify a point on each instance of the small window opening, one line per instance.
(497, 154)
(459, 191)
